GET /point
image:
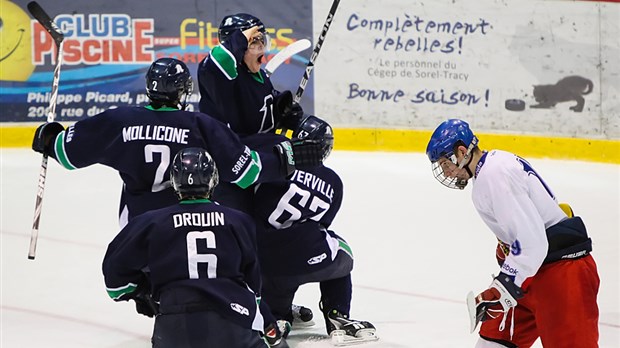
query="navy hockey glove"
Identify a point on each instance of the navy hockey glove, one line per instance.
(287, 162)
(145, 304)
(308, 153)
(287, 114)
(44, 137)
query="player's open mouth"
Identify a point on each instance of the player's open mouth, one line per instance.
(21, 35)
(260, 59)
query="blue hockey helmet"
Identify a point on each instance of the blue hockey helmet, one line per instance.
(447, 136)
(445, 139)
(316, 129)
(193, 174)
(238, 21)
(167, 81)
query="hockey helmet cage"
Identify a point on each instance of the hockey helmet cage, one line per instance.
(193, 174)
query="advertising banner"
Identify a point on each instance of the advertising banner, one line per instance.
(109, 44)
(533, 67)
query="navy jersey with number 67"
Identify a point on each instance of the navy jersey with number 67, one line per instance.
(140, 142)
(297, 212)
(193, 247)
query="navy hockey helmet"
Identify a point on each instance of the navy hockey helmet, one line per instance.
(314, 128)
(193, 174)
(167, 81)
(238, 21)
(445, 139)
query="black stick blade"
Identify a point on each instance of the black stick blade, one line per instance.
(42, 17)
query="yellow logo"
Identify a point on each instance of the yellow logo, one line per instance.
(15, 43)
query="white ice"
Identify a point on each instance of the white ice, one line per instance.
(419, 248)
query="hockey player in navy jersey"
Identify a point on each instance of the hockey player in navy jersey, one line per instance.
(204, 278)
(235, 90)
(139, 141)
(296, 246)
(548, 281)
(233, 87)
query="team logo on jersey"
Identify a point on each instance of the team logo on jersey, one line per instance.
(317, 259)
(239, 309)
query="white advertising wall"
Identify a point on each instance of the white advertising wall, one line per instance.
(520, 67)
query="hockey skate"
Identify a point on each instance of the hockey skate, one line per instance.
(344, 331)
(302, 316)
(276, 333)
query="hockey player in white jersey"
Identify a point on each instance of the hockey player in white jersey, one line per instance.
(548, 281)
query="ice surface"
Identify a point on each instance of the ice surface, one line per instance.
(419, 248)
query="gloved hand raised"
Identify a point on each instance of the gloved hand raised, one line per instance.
(44, 137)
(298, 154)
(308, 153)
(287, 114)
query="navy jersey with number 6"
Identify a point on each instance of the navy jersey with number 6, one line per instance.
(193, 247)
(139, 143)
(291, 212)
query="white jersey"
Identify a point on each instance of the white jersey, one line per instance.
(518, 206)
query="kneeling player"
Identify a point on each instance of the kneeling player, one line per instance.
(295, 246)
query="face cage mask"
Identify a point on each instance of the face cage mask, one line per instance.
(454, 183)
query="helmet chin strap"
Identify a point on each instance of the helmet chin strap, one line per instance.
(461, 183)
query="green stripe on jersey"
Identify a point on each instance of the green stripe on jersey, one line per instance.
(342, 245)
(61, 154)
(251, 172)
(225, 60)
(116, 293)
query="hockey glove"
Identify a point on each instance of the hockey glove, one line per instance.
(308, 153)
(501, 252)
(145, 304)
(499, 298)
(44, 137)
(276, 333)
(287, 114)
(287, 161)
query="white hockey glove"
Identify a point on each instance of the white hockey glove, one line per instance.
(499, 298)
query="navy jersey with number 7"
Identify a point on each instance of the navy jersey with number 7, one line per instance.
(139, 143)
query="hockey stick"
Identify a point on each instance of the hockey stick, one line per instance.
(286, 53)
(44, 19)
(474, 318)
(315, 52)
